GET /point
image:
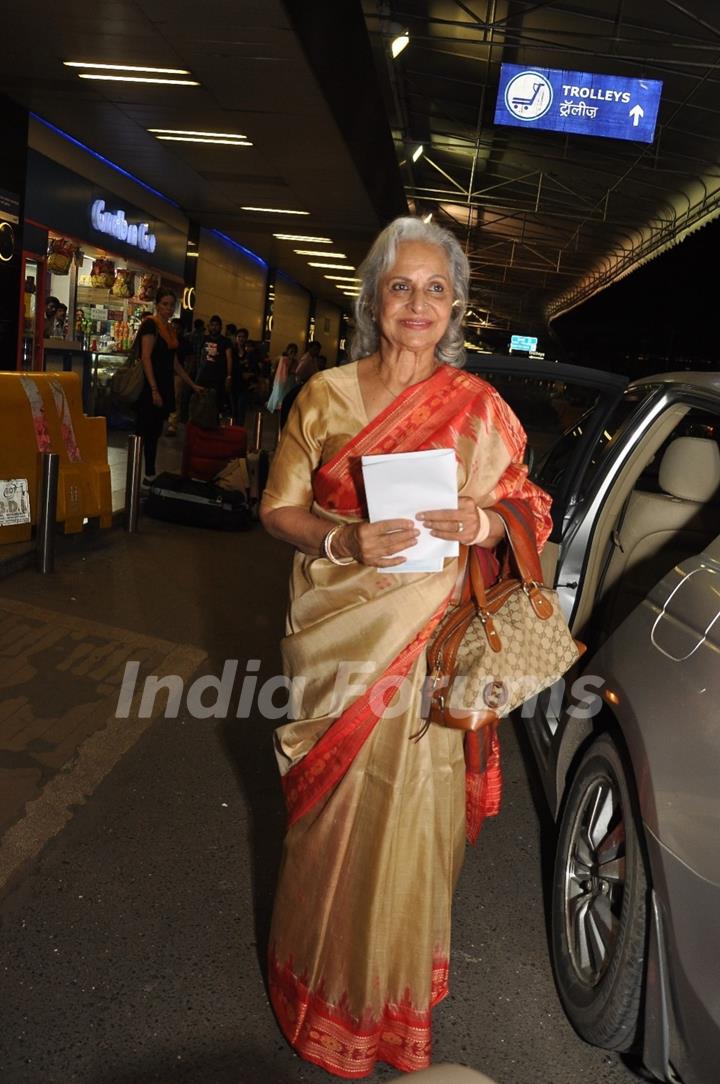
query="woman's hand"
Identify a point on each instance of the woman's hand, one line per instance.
(464, 523)
(156, 397)
(376, 544)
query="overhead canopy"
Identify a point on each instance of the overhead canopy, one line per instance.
(548, 218)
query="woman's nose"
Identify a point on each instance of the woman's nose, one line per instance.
(417, 301)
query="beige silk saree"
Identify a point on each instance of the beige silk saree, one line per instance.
(360, 939)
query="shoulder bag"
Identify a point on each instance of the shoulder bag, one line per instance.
(128, 382)
(500, 645)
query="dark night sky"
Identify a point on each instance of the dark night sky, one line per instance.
(665, 315)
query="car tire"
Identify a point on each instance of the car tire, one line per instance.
(599, 902)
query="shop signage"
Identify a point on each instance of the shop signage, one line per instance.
(115, 224)
(62, 199)
(611, 106)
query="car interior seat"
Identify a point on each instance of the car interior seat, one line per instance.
(656, 530)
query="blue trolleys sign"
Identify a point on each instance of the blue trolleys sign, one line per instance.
(582, 102)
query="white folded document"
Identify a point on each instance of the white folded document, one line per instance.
(400, 485)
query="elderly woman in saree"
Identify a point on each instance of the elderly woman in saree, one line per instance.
(360, 939)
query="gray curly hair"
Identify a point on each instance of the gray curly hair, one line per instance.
(377, 264)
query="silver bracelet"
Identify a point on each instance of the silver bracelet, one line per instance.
(327, 547)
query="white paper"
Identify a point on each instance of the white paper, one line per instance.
(400, 485)
(14, 502)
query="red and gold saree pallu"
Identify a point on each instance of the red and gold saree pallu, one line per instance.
(360, 940)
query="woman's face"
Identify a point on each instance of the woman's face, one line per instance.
(165, 306)
(416, 297)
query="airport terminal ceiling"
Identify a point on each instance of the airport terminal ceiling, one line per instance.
(548, 218)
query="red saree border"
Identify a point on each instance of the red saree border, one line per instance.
(412, 422)
(330, 1036)
(483, 780)
(307, 782)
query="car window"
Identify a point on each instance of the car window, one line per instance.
(550, 471)
(548, 409)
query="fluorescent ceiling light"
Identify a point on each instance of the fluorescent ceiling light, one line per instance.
(428, 217)
(275, 210)
(329, 255)
(179, 135)
(138, 79)
(342, 278)
(202, 139)
(298, 237)
(418, 152)
(193, 255)
(350, 293)
(189, 132)
(124, 68)
(333, 266)
(399, 43)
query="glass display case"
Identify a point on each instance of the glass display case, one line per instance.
(104, 366)
(30, 322)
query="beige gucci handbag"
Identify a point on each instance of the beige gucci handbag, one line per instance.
(501, 645)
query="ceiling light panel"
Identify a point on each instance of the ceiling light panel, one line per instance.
(124, 68)
(138, 79)
(298, 237)
(205, 139)
(274, 210)
(333, 266)
(342, 278)
(191, 132)
(326, 255)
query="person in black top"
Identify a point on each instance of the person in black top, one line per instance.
(245, 376)
(215, 366)
(158, 346)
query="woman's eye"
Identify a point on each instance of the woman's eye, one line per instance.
(399, 286)
(438, 288)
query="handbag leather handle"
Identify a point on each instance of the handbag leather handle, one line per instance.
(517, 517)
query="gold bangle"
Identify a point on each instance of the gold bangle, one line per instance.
(327, 547)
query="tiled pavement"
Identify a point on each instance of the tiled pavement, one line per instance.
(60, 684)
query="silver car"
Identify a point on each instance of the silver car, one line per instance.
(629, 747)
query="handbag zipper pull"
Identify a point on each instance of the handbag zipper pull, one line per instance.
(490, 631)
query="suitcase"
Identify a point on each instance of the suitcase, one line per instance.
(197, 504)
(258, 466)
(207, 451)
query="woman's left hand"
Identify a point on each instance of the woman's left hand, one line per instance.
(462, 524)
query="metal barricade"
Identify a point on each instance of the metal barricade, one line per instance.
(132, 483)
(47, 511)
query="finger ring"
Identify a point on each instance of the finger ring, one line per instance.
(461, 528)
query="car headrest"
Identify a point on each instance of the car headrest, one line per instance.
(690, 469)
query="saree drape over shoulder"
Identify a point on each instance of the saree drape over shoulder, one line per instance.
(360, 939)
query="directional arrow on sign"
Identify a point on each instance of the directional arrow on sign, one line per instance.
(636, 113)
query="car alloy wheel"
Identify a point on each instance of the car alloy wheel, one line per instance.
(599, 902)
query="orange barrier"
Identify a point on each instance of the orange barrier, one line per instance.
(43, 412)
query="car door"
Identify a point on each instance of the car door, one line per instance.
(564, 410)
(648, 418)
